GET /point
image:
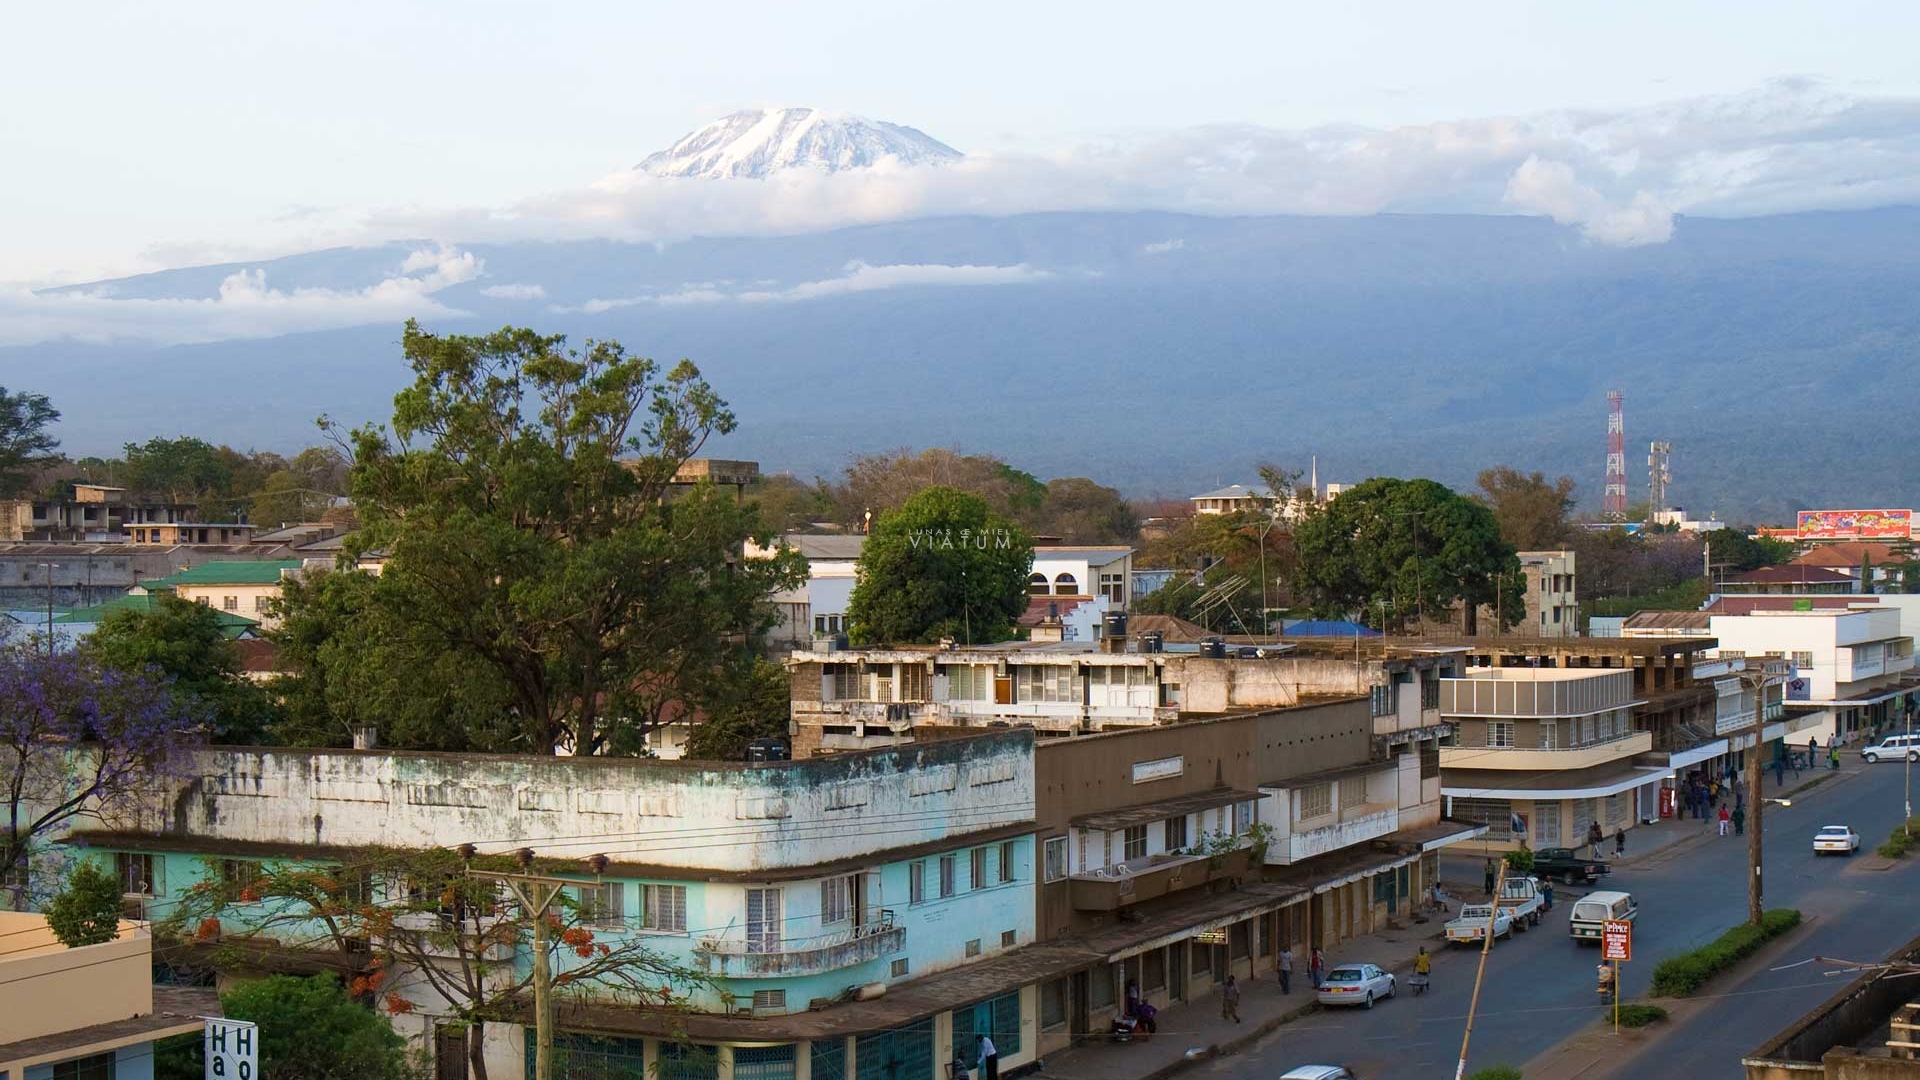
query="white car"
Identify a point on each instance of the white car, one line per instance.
(1893, 748)
(1319, 1072)
(1835, 840)
(1355, 984)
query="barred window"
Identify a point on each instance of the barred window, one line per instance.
(1316, 800)
(666, 907)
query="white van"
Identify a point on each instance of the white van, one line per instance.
(1893, 747)
(1595, 909)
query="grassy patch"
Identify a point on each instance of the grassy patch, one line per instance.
(1637, 1016)
(1495, 1072)
(1678, 976)
(1902, 840)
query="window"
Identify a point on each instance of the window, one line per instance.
(977, 868)
(231, 603)
(1495, 814)
(666, 907)
(1008, 857)
(603, 904)
(1053, 1004)
(1176, 833)
(763, 920)
(1430, 759)
(1056, 858)
(1549, 729)
(1242, 817)
(1114, 588)
(1153, 970)
(203, 601)
(769, 1001)
(1803, 661)
(900, 968)
(1382, 697)
(1048, 682)
(1008, 938)
(1134, 843)
(973, 948)
(917, 882)
(1037, 585)
(1065, 585)
(239, 873)
(136, 874)
(843, 682)
(1353, 792)
(966, 682)
(836, 900)
(1316, 800)
(1499, 733)
(91, 1067)
(947, 868)
(1430, 690)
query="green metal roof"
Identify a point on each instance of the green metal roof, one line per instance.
(230, 624)
(227, 572)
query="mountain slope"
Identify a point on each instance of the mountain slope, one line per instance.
(1165, 353)
(757, 143)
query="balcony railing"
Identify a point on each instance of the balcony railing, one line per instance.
(1111, 888)
(750, 957)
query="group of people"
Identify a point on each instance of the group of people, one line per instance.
(1316, 968)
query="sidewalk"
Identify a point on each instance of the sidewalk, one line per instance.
(1195, 1032)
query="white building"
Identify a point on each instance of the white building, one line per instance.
(819, 607)
(1849, 664)
(1231, 499)
(1105, 571)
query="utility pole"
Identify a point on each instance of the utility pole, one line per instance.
(535, 894)
(1755, 802)
(50, 567)
(1486, 946)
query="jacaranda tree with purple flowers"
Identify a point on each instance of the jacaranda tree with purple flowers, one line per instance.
(76, 740)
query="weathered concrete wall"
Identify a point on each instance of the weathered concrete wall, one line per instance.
(670, 814)
(1312, 738)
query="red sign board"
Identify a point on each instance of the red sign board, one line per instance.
(1616, 940)
(1855, 524)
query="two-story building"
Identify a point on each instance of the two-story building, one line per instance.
(1852, 667)
(86, 1012)
(843, 911)
(245, 587)
(1105, 572)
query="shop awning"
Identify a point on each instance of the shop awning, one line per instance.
(1595, 783)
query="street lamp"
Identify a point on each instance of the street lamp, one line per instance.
(50, 567)
(1759, 680)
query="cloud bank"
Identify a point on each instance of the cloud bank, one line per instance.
(244, 307)
(859, 277)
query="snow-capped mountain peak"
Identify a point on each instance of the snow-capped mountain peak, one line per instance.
(755, 143)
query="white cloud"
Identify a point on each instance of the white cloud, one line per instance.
(1618, 176)
(1163, 247)
(244, 307)
(514, 292)
(859, 277)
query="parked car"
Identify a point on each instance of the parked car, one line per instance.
(1893, 748)
(1520, 899)
(1319, 1072)
(1568, 865)
(1355, 984)
(1471, 924)
(1836, 840)
(1593, 911)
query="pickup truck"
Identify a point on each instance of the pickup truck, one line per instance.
(1520, 899)
(1568, 865)
(1471, 926)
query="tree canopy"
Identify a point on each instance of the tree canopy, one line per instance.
(185, 642)
(1390, 550)
(1532, 511)
(86, 911)
(942, 565)
(525, 500)
(310, 1029)
(24, 439)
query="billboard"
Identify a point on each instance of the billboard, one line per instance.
(1855, 524)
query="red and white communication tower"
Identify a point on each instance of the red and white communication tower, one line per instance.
(1614, 504)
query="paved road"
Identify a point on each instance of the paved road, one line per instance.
(1540, 985)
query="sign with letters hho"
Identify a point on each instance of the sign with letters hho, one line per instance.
(233, 1050)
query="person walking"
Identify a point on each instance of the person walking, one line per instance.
(1423, 965)
(1546, 895)
(1619, 840)
(1286, 969)
(1739, 821)
(1594, 839)
(1833, 755)
(989, 1059)
(1317, 967)
(1490, 877)
(1779, 773)
(1813, 752)
(1725, 818)
(1230, 1001)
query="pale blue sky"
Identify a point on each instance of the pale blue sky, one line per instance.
(138, 135)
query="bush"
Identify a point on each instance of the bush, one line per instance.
(1635, 1016)
(1495, 1072)
(1678, 976)
(87, 910)
(1519, 862)
(311, 1030)
(1902, 840)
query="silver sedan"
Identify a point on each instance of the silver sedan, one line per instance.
(1355, 984)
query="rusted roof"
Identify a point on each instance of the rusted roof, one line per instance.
(1849, 553)
(1668, 620)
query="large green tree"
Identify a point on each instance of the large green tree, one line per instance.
(1391, 549)
(525, 499)
(185, 642)
(942, 565)
(310, 1029)
(24, 440)
(1532, 510)
(184, 470)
